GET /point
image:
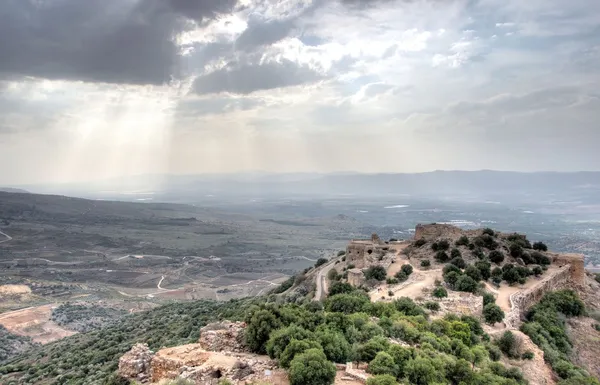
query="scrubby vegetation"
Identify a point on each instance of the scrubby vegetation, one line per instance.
(546, 327)
(92, 357)
(84, 318)
(447, 350)
(12, 344)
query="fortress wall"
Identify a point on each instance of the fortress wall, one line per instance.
(577, 263)
(521, 301)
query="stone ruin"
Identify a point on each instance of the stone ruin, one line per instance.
(218, 355)
(223, 336)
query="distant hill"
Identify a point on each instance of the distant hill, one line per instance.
(484, 184)
(13, 190)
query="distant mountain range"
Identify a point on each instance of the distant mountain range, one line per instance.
(581, 186)
(13, 190)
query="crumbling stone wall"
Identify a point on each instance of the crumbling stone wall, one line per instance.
(223, 336)
(356, 277)
(434, 231)
(136, 363)
(521, 301)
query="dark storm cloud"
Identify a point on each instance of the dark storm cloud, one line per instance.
(113, 41)
(260, 34)
(248, 78)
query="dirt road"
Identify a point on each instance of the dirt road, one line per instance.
(321, 280)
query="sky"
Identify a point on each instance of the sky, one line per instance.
(105, 88)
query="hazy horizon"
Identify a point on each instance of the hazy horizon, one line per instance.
(105, 88)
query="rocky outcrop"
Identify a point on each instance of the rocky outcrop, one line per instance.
(218, 355)
(223, 336)
(135, 364)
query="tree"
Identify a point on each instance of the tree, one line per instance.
(376, 272)
(401, 276)
(401, 355)
(340, 288)
(510, 274)
(420, 371)
(333, 275)
(466, 283)
(335, 346)
(425, 263)
(458, 262)
(382, 379)
(311, 368)
(455, 253)
(509, 345)
(280, 338)
(484, 269)
(296, 347)
(443, 244)
(515, 250)
(320, 262)
(496, 256)
(347, 303)
(473, 272)
(462, 241)
(492, 313)
(440, 292)
(488, 298)
(367, 351)
(383, 363)
(488, 231)
(451, 278)
(537, 270)
(258, 329)
(441, 256)
(407, 269)
(451, 267)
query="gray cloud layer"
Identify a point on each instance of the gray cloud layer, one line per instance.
(248, 78)
(113, 41)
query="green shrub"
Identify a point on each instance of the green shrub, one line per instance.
(320, 262)
(473, 272)
(466, 283)
(425, 263)
(488, 231)
(462, 241)
(484, 268)
(458, 262)
(407, 269)
(376, 272)
(419, 242)
(340, 288)
(492, 313)
(296, 347)
(434, 306)
(455, 253)
(383, 363)
(401, 276)
(384, 379)
(280, 338)
(488, 298)
(311, 368)
(335, 346)
(496, 256)
(528, 355)
(441, 256)
(451, 278)
(509, 345)
(443, 244)
(440, 292)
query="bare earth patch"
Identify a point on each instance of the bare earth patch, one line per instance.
(14, 290)
(34, 322)
(586, 343)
